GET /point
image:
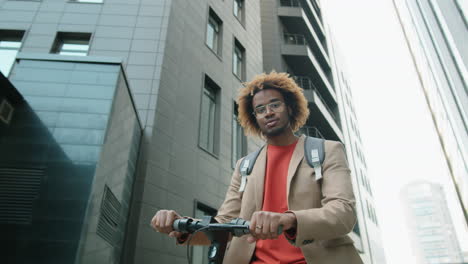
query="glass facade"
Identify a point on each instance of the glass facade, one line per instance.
(57, 137)
(432, 233)
(435, 37)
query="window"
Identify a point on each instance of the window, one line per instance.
(74, 44)
(209, 117)
(239, 141)
(10, 43)
(368, 210)
(88, 1)
(238, 60)
(292, 3)
(200, 253)
(294, 39)
(214, 33)
(239, 10)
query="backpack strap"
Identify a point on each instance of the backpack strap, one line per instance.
(246, 167)
(314, 151)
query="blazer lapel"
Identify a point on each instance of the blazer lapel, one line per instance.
(296, 158)
(258, 177)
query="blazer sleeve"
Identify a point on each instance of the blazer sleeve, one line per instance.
(231, 206)
(337, 215)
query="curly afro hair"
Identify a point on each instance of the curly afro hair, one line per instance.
(282, 82)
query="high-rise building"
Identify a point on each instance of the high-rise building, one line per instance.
(296, 39)
(367, 231)
(115, 109)
(432, 234)
(436, 33)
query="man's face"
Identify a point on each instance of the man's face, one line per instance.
(271, 112)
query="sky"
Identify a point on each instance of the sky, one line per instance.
(399, 138)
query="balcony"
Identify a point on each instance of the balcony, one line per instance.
(315, 8)
(290, 3)
(322, 117)
(302, 61)
(306, 11)
(304, 82)
(311, 132)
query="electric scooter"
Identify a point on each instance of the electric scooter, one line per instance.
(217, 233)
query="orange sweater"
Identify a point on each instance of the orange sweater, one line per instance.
(277, 251)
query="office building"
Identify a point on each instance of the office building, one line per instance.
(432, 234)
(368, 235)
(113, 109)
(436, 34)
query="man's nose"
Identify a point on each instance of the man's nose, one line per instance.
(269, 111)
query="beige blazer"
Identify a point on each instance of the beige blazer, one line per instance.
(325, 209)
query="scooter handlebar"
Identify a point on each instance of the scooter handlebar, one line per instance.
(238, 227)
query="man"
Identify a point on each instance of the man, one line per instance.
(281, 189)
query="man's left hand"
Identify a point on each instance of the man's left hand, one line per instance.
(265, 225)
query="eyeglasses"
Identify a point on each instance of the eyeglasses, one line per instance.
(276, 107)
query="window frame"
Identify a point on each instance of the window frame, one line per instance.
(240, 18)
(205, 208)
(61, 39)
(237, 46)
(213, 17)
(214, 150)
(234, 138)
(86, 1)
(7, 35)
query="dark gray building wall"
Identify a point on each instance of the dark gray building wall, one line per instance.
(133, 30)
(177, 170)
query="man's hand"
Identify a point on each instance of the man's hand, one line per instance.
(264, 225)
(162, 221)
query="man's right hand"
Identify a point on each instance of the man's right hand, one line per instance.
(162, 222)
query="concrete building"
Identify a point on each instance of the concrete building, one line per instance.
(367, 231)
(296, 39)
(436, 35)
(181, 62)
(115, 109)
(432, 234)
